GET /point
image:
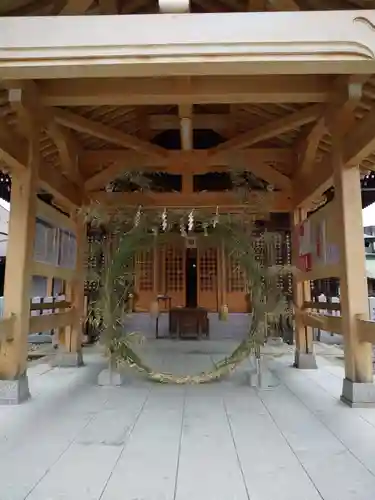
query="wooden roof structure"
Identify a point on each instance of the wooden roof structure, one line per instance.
(272, 125)
(94, 7)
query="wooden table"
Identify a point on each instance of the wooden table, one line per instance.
(187, 322)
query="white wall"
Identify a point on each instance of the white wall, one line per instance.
(4, 222)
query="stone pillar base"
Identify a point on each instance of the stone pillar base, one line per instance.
(67, 359)
(14, 392)
(358, 395)
(112, 378)
(304, 361)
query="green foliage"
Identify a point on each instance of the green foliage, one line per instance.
(130, 233)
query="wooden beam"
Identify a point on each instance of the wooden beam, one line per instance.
(366, 330)
(113, 136)
(185, 113)
(175, 90)
(54, 216)
(359, 142)
(6, 328)
(198, 159)
(25, 96)
(49, 271)
(76, 292)
(109, 7)
(301, 294)
(353, 285)
(257, 5)
(75, 7)
(341, 111)
(13, 356)
(308, 146)
(11, 147)
(180, 162)
(48, 322)
(289, 5)
(330, 42)
(218, 122)
(14, 152)
(276, 202)
(272, 129)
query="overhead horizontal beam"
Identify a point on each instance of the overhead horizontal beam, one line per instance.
(314, 42)
(179, 90)
(197, 159)
(180, 162)
(271, 202)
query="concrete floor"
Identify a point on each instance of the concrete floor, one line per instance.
(224, 441)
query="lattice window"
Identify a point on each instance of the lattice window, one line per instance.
(208, 270)
(145, 266)
(235, 275)
(174, 269)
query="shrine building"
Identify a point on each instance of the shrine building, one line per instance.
(185, 93)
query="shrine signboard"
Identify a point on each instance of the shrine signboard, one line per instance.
(317, 239)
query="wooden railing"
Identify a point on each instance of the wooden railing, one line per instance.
(333, 324)
(63, 315)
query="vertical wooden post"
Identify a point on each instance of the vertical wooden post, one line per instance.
(223, 275)
(358, 389)
(304, 352)
(13, 355)
(70, 351)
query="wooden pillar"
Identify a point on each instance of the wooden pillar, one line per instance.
(358, 388)
(70, 349)
(13, 354)
(223, 267)
(304, 352)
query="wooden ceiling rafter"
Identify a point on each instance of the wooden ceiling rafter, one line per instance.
(185, 112)
(109, 134)
(272, 129)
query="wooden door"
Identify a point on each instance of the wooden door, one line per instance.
(145, 279)
(208, 292)
(235, 285)
(174, 256)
